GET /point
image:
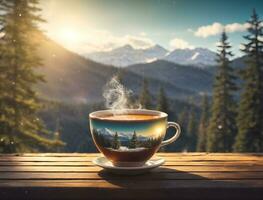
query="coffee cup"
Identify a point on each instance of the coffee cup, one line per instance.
(129, 138)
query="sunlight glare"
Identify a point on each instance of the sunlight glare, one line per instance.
(69, 35)
(159, 130)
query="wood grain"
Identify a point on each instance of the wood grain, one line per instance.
(183, 176)
(149, 176)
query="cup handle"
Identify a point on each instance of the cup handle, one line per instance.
(176, 135)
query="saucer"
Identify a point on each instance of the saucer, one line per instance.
(107, 165)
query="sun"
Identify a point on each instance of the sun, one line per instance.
(69, 35)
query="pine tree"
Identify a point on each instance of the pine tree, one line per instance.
(250, 113)
(21, 129)
(5, 143)
(222, 128)
(162, 105)
(183, 117)
(162, 102)
(134, 141)
(116, 141)
(203, 124)
(191, 129)
(145, 97)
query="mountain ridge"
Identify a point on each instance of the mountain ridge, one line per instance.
(200, 57)
(127, 55)
(187, 77)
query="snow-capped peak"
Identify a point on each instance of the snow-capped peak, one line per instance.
(200, 57)
(128, 55)
(106, 131)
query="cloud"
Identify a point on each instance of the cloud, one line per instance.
(205, 31)
(236, 27)
(93, 40)
(178, 43)
(138, 42)
(105, 41)
(217, 28)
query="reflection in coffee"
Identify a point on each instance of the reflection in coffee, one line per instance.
(128, 137)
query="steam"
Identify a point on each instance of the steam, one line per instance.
(117, 97)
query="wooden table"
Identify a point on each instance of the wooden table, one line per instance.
(184, 176)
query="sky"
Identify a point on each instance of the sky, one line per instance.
(85, 26)
(149, 128)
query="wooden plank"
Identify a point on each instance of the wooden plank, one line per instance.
(184, 176)
(167, 163)
(135, 184)
(148, 176)
(236, 168)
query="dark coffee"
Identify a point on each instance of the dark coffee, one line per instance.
(139, 154)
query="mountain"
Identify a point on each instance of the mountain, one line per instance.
(75, 79)
(122, 136)
(239, 63)
(200, 57)
(186, 77)
(70, 77)
(109, 133)
(106, 133)
(127, 55)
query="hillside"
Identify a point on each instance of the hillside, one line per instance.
(186, 77)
